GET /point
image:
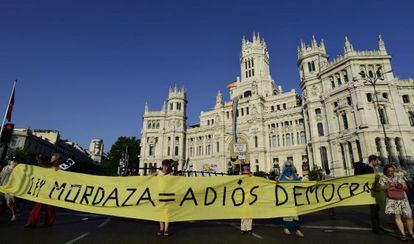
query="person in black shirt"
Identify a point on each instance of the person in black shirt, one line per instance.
(370, 168)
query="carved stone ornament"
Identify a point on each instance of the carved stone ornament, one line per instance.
(315, 90)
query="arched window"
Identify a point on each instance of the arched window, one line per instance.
(324, 158)
(302, 137)
(320, 129)
(383, 116)
(379, 75)
(411, 117)
(274, 143)
(371, 74)
(247, 93)
(332, 82)
(345, 74)
(345, 121)
(288, 140)
(338, 79)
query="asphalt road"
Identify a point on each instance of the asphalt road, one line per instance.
(349, 225)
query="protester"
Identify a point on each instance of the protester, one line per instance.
(50, 210)
(165, 170)
(396, 200)
(4, 178)
(290, 223)
(370, 168)
(246, 224)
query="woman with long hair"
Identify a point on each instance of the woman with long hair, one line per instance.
(397, 203)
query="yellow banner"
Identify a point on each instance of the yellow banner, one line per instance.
(177, 198)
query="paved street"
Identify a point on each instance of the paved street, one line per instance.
(350, 225)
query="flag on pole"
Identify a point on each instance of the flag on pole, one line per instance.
(10, 106)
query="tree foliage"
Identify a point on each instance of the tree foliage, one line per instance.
(117, 150)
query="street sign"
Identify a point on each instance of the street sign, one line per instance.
(239, 148)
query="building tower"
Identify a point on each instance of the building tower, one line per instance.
(255, 72)
(176, 117)
(96, 148)
(311, 58)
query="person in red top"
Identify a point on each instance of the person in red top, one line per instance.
(50, 210)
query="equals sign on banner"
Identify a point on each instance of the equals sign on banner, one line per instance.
(169, 197)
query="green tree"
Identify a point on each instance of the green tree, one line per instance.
(117, 150)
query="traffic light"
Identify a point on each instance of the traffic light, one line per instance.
(7, 133)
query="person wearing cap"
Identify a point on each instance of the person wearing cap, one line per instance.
(50, 210)
(290, 223)
(165, 170)
(246, 224)
(4, 178)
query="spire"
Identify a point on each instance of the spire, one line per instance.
(323, 46)
(348, 46)
(314, 43)
(302, 44)
(146, 107)
(254, 36)
(243, 41)
(258, 37)
(381, 44)
(219, 98)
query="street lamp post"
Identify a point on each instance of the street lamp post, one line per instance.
(373, 81)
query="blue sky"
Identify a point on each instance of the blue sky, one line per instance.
(86, 68)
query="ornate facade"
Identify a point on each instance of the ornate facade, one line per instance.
(337, 120)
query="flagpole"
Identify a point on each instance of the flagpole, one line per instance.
(7, 109)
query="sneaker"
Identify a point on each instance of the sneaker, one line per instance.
(13, 218)
(299, 234)
(286, 231)
(29, 226)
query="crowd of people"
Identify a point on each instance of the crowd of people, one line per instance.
(396, 185)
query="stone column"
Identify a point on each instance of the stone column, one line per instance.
(383, 149)
(347, 158)
(355, 152)
(393, 150)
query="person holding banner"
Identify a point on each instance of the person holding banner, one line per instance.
(396, 200)
(4, 178)
(50, 210)
(290, 223)
(246, 224)
(165, 170)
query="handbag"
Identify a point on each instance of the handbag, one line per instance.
(395, 193)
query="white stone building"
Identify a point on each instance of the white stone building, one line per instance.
(335, 122)
(96, 150)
